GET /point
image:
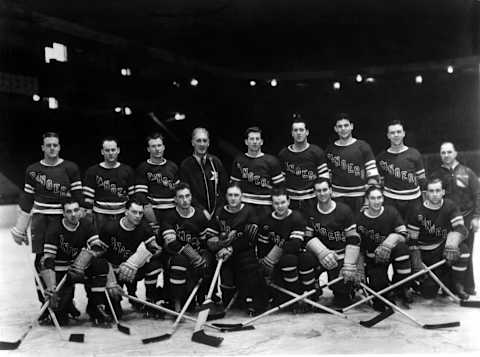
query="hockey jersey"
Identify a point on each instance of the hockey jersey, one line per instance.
(332, 227)
(374, 230)
(351, 166)
(47, 186)
(108, 189)
(429, 227)
(120, 243)
(65, 243)
(301, 169)
(403, 173)
(155, 183)
(257, 176)
(178, 230)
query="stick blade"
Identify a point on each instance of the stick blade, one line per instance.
(222, 325)
(380, 317)
(241, 328)
(469, 303)
(443, 325)
(201, 337)
(77, 337)
(123, 329)
(4, 345)
(163, 337)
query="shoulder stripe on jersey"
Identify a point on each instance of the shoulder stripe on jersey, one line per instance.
(457, 221)
(350, 228)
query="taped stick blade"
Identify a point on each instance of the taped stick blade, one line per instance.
(163, 337)
(377, 319)
(123, 329)
(201, 337)
(4, 345)
(442, 325)
(470, 303)
(77, 337)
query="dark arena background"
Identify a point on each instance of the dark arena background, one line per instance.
(133, 67)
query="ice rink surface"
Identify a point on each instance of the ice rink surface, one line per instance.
(278, 334)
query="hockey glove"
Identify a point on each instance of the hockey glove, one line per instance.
(76, 271)
(326, 257)
(19, 231)
(452, 251)
(128, 269)
(349, 273)
(349, 269)
(383, 251)
(114, 290)
(225, 253)
(199, 264)
(50, 280)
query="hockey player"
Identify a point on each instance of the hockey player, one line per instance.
(437, 230)
(462, 187)
(384, 234)
(204, 173)
(257, 173)
(131, 248)
(155, 181)
(402, 170)
(235, 226)
(108, 185)
(280, 246)
(352, 165)
(302, 164)
(47, 184)
(332, 238)
(185, 231)
(69, 242)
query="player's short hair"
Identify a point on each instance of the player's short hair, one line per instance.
(154, 136)
(433, 180)
(69, 201)
(322, 180)
(50, 134)
(343, 116)
(132, 201)
(198, 130)
(279, 191)
(448, 142)
(110, 138)
(297, 118)
(182, 186)
(252, 129)
(395, 122)
(372, 188)
(234, 185)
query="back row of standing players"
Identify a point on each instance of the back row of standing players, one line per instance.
(279, 222)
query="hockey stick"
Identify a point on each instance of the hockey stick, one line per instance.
(376, 319)
(393, 286)
(231, 302)
(5, 345)
(122, 328)
(166, 336)
(199, 334)
(404, 313)
(463, 303)
(74, 337)
(235, 327)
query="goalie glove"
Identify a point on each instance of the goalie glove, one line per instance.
(19, 231)
(452, 251)
(50, 280)
(113, 289)
(76, 271)
(349, 269)
(128, 270)
(326, 257)
(383, 251)
(225, 253)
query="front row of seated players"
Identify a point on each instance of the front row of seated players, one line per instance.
(288, 249)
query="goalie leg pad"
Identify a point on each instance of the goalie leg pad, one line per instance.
(400, 258)
(306, 270)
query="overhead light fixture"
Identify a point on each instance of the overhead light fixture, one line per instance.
(194, 82)
(359, 78)
(118, 109)
(253, 83)
(450, 69)
(52, 103)
(273, 82)
(176, 84)
(179, 116)
(57, 52)
(418, 79)
(126, 72)
(127, 111)
(369, 79)
(336, 85)
(35, 97)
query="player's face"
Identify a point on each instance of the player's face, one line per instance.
(375, 200)
(299, 132)
(183, 198)
(134, 214)
(200, 143)
(51, 147)
(110, 151)
(343, 128)
(396, 134)
(254, 142)
(156, 148)
(71, 212)
(280, 204)
(448, 154)
(234, 197)
(323, 192)
(435, 192)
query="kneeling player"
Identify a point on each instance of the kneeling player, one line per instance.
(235, 225)
(384, 235)
(333, 239)
(280, 247)
(437, 230)
(65, 242)
(184, 232)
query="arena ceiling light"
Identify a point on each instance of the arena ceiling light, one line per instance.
(118, 109)
(52, 103)
(450, 69)
(253, 83)
(273, 82)
(359, 78)
(126, 72)
(57, 52)
(35, 97)
(176, 84)
(336, 85)
(127, 111)
(418, 79)
(194, 82)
